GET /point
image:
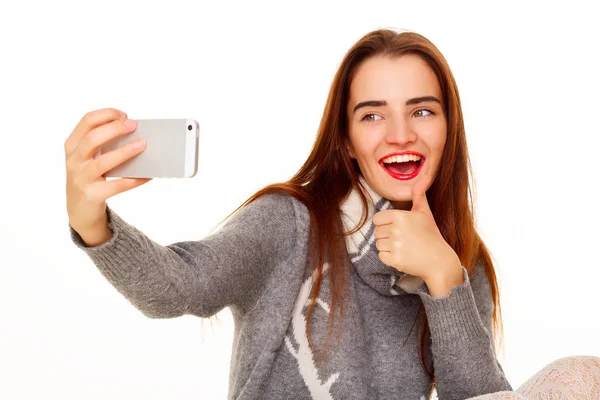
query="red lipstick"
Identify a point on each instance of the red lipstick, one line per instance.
(403, 177)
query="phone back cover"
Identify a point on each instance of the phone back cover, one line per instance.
(164, 155)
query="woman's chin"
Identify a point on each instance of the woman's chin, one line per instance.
(401, 199)
(403, 193)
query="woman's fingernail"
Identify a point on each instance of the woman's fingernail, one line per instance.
(130, 123)
(138, 144)
(123, 115)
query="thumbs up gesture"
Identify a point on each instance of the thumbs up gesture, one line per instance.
(411, 242)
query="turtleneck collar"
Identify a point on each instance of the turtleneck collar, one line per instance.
(361, 245)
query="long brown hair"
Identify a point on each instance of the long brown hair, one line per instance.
(329, 174)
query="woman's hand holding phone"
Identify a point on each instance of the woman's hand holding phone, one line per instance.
(87, 189)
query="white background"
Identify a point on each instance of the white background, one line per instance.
(256, 76)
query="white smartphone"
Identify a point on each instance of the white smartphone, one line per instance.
(171, 150)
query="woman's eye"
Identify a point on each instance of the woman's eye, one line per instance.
(370, 117)
(419, 113)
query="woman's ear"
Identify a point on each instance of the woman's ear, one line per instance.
(350, 150)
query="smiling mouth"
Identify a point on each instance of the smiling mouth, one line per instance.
(403, 169)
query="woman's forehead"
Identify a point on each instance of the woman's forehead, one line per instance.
(393, 79)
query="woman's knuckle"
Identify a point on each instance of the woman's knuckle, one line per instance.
(69, 164)
(90, 141)
(95, 168)
(87, 118)
(78, 181)
(90, 194)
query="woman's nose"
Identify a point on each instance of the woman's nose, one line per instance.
(400, 132)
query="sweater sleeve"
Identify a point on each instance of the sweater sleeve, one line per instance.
(460, 324)
(227, 268)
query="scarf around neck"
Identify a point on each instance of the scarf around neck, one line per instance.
(362, 250)
(375, 291)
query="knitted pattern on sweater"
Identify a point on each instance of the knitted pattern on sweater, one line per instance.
(257, 265)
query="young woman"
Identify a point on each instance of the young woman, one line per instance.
(362, 277)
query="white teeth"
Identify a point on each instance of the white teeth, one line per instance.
(402, 158)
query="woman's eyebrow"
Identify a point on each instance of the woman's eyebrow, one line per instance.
(422, 99)
(369, 103)
(381, 103)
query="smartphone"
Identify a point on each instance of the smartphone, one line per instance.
(171, 150)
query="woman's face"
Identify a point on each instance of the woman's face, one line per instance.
(394, 108)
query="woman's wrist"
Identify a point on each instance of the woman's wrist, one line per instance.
(95, 236)
(442, 282)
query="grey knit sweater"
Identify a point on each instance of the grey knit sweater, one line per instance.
(257, 265)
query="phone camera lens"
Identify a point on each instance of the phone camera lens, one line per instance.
(189, 127)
